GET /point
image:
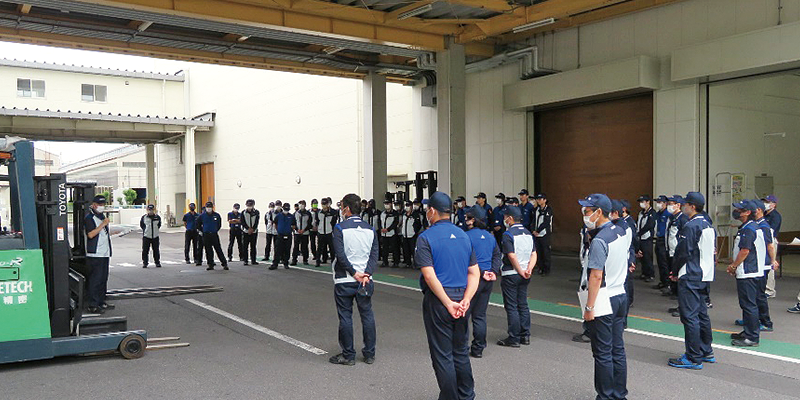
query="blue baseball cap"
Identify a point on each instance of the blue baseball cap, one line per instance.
(598, 200)
(616, 206)
(745, 205)
(759, 204)
(696, 198)
(477, 212)
(514, 212)
(771, 198)
(677, 199)
(99, 199)
(625, 204)
(662, 198)
(441, 202)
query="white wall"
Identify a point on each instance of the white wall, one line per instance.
(496, 144)
(424, 126)
(272, 127)
(740, 113)
(63, 92)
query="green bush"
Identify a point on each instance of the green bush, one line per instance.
(130, 196)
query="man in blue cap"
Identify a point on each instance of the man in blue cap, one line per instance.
(151, 226)
(480, 200)
(748, 271)
(459, 215)
(488, 256)
(498, 213)
(676, 222)
(662, 217)
(694, 258)
(519, 260)
(765, 239)
(541, 229)
(603, 285)
(191, 239)
(449, 280)
(527, 208)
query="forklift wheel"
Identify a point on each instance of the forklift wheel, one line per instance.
(132, 347)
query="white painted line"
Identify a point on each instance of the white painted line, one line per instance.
(307, 347)
(170, 262)
(636, 331)
(126, 265)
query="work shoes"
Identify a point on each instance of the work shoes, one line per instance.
(369, 360)
(659, 286)
(210, 268)
(737, 336)
(158, 265)
(188, 262)
(709, 358)
(198, 264)
(293, 263)
(339, 359)
(795, 309)
(246, 263)
(95, 310)
(273, 267)
(507, 342)
(649, 279)
(285, 266)
(764, 328)
(225, 267)
(144, 265)
(108, 306)
(254, 263)
(581, 338)
(744, 343)
(475, 354)
(525, 341)
(684, 362)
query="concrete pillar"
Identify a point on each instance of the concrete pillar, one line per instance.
(189, 164)
(150, 166)
(451, 119)
(375, 132)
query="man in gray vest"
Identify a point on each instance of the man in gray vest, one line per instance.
(150, 224)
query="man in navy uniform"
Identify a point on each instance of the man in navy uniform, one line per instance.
(459, 216)
(747, 268)
(519, 260)
(694, 258)
(356, 247)
(151, 225)
(480, 200)
(283, 241)
(768, 263)
(250, 220)
(646, 225)
(603, 282)
(410, 227)
(303, 219)
(192, 237)
(313, 236)
(449, 280)
(489, 258)
(674, 225)
(209, 224)
(662, 217)
(773, 218)
(235, 232)
(328, 218)
(542, 227)
(526, 207)
(498, 216)
(98, 253)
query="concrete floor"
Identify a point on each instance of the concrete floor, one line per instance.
(228, 359)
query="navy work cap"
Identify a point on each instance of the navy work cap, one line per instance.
(598, 200)
(460, 198)
(677, 199)
(696, 198)
(540, 196)
(514, 212)
(759, 204)
(441, 202)
(477, 212)
(151, 207)
(662, 198)
(644, 197)
(625, 204)
(480, 195)
(616, 206)
(523, 191)
(99, 199)
(209, 204)
(745, 205)
(236, 205)
(771, 198)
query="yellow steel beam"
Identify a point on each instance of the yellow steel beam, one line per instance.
(550, 9)
(492, 5)
(110, 46)
(587, 18)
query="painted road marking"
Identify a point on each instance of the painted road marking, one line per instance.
(126, 265)
(677, 338)
(277, 335)
(170, 262)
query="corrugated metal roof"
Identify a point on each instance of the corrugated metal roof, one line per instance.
(81, 69)
(205, 120)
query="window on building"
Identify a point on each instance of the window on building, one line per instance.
(48, 163)
(94, 93)
(134, 164)
(30, 88)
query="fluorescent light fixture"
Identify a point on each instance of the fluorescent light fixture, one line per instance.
(144, 25)
(534, 25)
(415, 12)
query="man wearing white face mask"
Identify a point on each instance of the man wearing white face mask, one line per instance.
(250, 218)
(390, 220)
(410, 226)
(646, 225)
(497, 227)
(209, 223)
(98, 253)
(303, 220)
(458, 216)
(662, 217)
(774, 220)
(519, 259)
(272, 233)
(676, 222)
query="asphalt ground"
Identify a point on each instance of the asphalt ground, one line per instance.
(246, 353)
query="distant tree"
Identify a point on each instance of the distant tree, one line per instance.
(107, 196)
(119, 201)
(130, 196)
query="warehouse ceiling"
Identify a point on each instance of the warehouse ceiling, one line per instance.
(346, 38)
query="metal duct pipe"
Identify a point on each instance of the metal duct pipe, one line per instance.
(528, 58)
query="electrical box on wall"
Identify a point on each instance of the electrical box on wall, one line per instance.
(764, 186)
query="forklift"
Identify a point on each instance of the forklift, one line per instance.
(42, 278)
